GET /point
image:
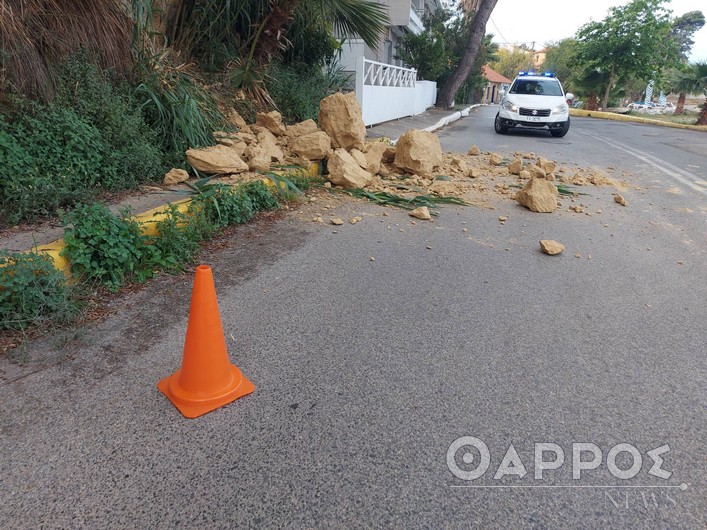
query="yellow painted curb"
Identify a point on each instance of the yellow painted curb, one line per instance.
(148, 221)
(635, 119)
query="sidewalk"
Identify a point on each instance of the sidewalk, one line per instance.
(150, 197)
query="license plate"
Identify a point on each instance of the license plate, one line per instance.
(532, 118)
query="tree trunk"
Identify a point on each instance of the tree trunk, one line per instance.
(592, 101)
(702, 119)
(609, 86)
(681, 103)
(445, 98)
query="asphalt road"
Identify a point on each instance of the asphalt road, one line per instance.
(367, 371)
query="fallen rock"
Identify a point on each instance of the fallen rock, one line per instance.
(272, 121)
(551, 247)
(524, 174)
(360, 158)
(340, 117)
(258, 158)
(236, 119)
(216, 159)
(302, 128)
(515, 167)
(474, 150)
(619, 199)
(418, 152)
(344, 171)
(459, 165)
(538, 195)
(266, 140)
(374, 156)
(495, 160)
(313, 146)
(536, 171)
(423, 212)
(175, 176)
(355, 220)
(338, 221)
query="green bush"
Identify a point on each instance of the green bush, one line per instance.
(108, 248)
(49, 158)
(32, 291)
(180, 234)
(133, 148)
(298, 88)
(260, 195)
(179, 109)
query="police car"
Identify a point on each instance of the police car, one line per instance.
(537, 101)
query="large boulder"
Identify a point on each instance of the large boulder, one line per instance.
(236, 119)
(418, 152)
(538, 195)
(272, 121)
(344, 171)
(313, 146)
(258, 158)
(340, 117)
(216, 159)
(175, 176)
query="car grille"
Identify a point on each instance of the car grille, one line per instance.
(534, 112)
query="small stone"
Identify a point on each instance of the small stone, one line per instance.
(428, 247)
(474, 150)
(495, 160)
(503, 218)
(372, 258)
(355, 220)
(577, 255)
(338, 221)
(551, 247)
(619, 199)
(589, 257)
(317, 220)
(465, 229)
(327, 184)
(385, 214)
(681, 262)
(421, 213)
(175, 176)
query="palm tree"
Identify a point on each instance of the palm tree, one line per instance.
(692, 79)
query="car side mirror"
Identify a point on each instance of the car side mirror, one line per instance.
(569, 96)
(502, 92)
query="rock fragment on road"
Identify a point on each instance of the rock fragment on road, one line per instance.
(551, 247)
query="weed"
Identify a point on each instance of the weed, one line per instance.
(32, 291)
(108, 248)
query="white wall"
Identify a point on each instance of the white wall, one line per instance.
(382, 103)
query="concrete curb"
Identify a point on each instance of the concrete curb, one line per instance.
(148, 221)
(634, 119)
(451, 118)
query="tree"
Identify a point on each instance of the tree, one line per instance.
(510, 62)
(559, 59)
(633, 40)
(477, 30)
(692, 80)
(683, 28)
(428, 52)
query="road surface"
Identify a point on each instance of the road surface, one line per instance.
(367, 372)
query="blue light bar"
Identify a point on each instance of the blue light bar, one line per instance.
(548, 74)
(521, 74)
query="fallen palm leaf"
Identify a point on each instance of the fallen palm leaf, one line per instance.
(409, 203)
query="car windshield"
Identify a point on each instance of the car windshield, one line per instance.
(537, 87)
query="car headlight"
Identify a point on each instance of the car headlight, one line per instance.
(562, 109)
(508, 105)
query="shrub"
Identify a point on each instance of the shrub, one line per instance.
(261, 197)
(49, 158)
(177, 107)
(32, 291)
(109, 248)
(133, 148)
(298, 88)
(179, 234)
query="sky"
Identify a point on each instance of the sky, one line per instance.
(543, 21)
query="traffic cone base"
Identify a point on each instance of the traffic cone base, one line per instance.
(193, 405)
(206, 380)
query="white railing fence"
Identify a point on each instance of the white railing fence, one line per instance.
(386, 92)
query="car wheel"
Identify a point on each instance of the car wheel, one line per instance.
(559, 133)
(498, 125)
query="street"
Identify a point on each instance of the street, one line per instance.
(367, 370)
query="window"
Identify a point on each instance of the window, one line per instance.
(537, 87)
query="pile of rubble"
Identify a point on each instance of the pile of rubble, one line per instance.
(415, 165)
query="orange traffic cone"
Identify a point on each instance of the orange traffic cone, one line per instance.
(207, 380)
